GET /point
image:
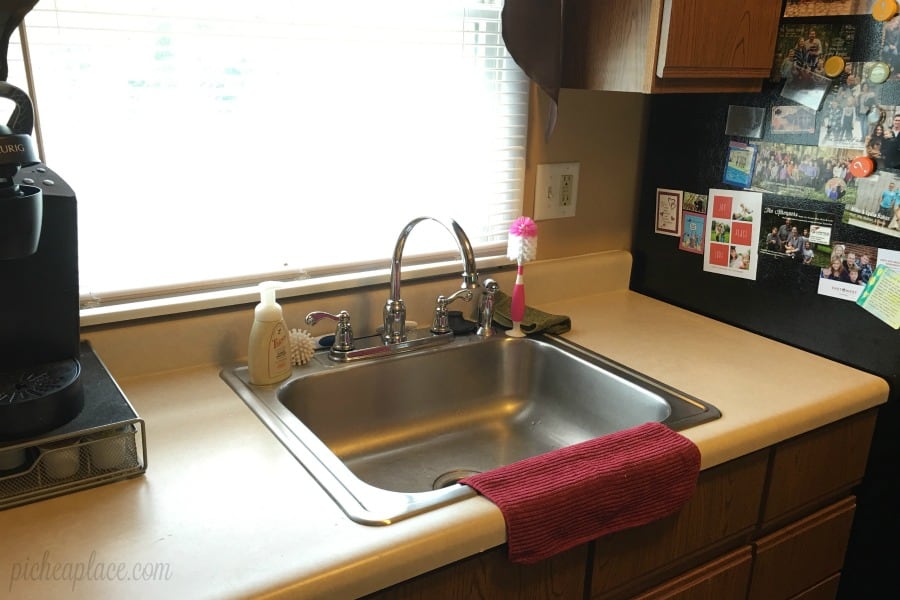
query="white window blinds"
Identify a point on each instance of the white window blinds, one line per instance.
(212, 140)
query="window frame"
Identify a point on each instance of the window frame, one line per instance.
(219, 293)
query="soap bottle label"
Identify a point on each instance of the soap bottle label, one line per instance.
(279, 352)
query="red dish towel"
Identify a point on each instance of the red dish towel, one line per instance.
(555, 501)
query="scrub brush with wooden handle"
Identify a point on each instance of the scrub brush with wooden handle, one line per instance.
(521, 247)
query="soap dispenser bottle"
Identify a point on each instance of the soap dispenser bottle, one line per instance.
(269, 352)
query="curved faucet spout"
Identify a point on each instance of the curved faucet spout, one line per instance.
(469, 274)
(394, 309)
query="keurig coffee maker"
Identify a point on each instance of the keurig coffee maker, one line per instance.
(65, 424)
(40, 387)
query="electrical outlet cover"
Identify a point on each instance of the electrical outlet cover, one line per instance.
(556, 190)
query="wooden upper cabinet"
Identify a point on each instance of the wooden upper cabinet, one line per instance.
(716, 38)
(669, 45)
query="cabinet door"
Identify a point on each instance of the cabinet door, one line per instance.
(712, 38)
(719, 517)
(491, 575)
(725, 577)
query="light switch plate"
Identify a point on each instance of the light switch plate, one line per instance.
(556, 190)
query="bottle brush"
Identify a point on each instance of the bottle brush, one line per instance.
(521, 247)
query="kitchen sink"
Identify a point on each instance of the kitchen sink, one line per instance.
(391, 437)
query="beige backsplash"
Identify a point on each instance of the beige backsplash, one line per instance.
(604, 131)
(219, 337)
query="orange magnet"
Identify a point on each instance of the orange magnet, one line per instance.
(834, 66)
(862, 166)
(884, 10)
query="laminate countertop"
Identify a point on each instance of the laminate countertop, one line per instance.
(224, 511)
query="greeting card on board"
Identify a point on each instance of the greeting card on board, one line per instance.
(732, 233)
(881, 296)
(668, 211)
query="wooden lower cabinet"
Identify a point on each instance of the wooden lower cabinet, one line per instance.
(721, 579)
(491, 576)
(721, 515)
(814, 469)
(803, 554)
(772, 525)
(824, 590)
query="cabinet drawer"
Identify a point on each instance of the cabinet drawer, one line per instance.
(720, 516)
(816, 468)
(802, 554)
(825, 590)
(725, 577)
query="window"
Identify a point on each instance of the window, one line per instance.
(209, 142)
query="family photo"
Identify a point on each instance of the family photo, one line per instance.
(813, 172)
(803, 236)
(877, 204)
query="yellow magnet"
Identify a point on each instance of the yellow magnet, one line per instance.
(884, 10)
(834, 66)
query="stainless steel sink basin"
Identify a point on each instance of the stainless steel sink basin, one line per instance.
(390, 438)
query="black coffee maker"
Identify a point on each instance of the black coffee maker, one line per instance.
(40, 372)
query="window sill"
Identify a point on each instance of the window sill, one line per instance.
(186, 303)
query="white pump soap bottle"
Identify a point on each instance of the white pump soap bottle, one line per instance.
(269, 353)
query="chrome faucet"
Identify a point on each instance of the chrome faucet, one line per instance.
(394, 309)
(393, 338)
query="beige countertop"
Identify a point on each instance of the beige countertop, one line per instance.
(224, 511)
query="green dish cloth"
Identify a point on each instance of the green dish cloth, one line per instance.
(534, 321)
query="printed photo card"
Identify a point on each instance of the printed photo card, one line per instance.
(732, 233)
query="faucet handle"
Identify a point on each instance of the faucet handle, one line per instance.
(441, 323)
(343, 334)
(486, 308)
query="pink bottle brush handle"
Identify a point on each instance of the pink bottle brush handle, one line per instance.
(517, 304)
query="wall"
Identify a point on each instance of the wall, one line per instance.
(782, 303)
(604, 131)
(601, 130)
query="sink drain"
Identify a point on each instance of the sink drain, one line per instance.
(451, 477)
